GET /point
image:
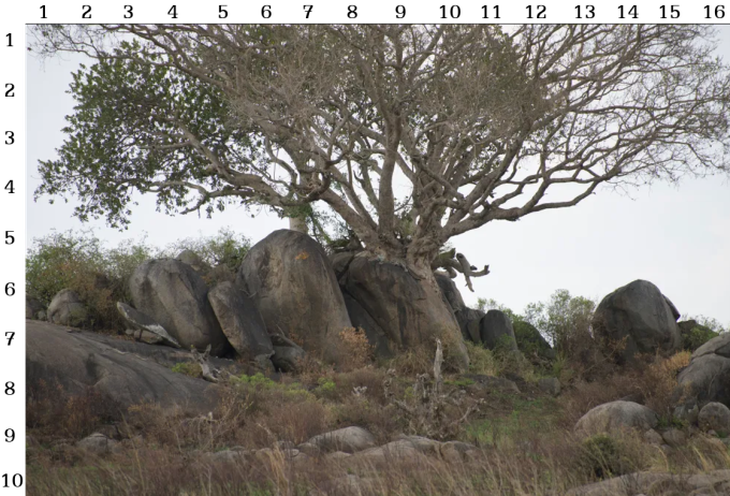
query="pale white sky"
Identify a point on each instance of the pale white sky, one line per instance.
(677, 237)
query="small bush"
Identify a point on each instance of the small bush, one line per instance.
(188, 368)
(80, 262)
(604, 456)
(356, 347)
(697, 336)
(225, 248)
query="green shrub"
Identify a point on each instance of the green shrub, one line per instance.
(225, 248)
(697, 336)
(80, 262)
(188, 368)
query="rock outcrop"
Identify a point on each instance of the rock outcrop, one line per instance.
(409, 312)
(707, 377)
(496, 331)
(616, 415)
(144, 328)
(640, 317)
(291, 281)
(80, 360)
(173, 294)
(241, 322)
(67, 309)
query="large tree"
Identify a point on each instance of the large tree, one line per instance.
(410, 134)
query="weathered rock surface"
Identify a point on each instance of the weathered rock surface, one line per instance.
(241, 322)
(290, 279)
(144, 327)
(531, 343)
(173, 294)
(694, 334)
(450, 292)
(287, 355)
(67, 309)
(641, 315)
(707, 377)
(97, 443)
(81, 360)
(360, 318)
(409, 312)
(659, 484)
(34, 309)
(467, 318)
(192, 259)
(715, 417)
(495, 330)
(348, 440)
(616, 415)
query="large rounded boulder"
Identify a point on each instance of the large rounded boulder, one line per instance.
(81, 361)
(616, 415)
(496, 331)
(67, 309)
(409, 311)
(707, 377)
(637, 318)
(175, 296)
(291, 281)
(241, 322)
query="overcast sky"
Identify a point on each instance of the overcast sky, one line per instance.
(677, 237)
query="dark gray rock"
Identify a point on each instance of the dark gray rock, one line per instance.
(707, 377)
(496, 331)
(67, 309)
(175, 296)
(449, 290)
(467, 318)
(290, 279)
(34, 309)
(410, 311)
(362, 319)
(639, 314)
(288, 355)
(715, 416)
(80, 360)
(340, 261)
(241, 322)
(470, 321)
(192, 259)
(149, 331)
(530, 342)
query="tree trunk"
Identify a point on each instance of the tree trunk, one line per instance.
(298, 224)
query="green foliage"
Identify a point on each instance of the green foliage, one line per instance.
(58, 261)
(257, 380)
(188, 368)
(225, 248)
(80, 262)
(122, 137)
(482, 360)
(565, 319)
(708, 322)
(697, 336)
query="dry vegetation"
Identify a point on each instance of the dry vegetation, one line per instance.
(525, 440)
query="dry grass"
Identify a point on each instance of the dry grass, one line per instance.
(525, 440)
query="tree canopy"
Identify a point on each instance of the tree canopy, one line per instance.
(409, 134)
